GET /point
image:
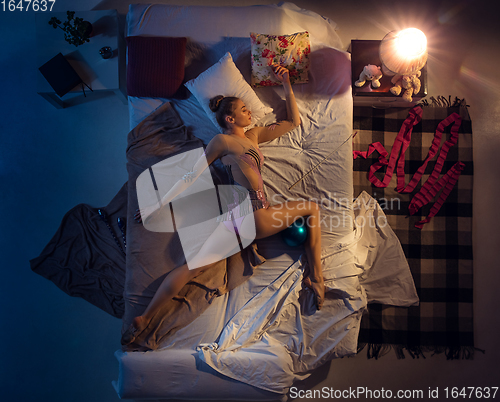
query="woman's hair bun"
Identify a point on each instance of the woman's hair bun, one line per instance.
(215, 103)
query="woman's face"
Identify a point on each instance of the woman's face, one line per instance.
(242, 116)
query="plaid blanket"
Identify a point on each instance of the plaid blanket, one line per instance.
(439, 254)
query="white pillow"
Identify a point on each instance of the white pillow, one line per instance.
(224, 78)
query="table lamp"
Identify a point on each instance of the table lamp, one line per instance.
(403, 52)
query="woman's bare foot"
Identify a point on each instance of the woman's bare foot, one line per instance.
(138, 325)
(318, 287)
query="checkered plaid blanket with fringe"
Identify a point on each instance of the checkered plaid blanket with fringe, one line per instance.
(439, 254)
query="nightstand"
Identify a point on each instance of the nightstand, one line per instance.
(365, 52)
(98, 73)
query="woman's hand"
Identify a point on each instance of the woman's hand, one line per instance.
(281, 73)
(292, 112)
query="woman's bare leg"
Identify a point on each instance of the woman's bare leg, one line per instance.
(170, 287)
(215, 248)
(267, 222)
(278, 217)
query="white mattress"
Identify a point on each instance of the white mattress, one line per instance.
(234, 351)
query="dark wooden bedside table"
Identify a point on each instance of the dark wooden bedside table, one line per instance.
(98, 73)
(365, 52)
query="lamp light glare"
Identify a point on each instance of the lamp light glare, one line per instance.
(411, 43)
(403, 52)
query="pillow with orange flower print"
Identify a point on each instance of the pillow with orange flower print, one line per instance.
(290, 51)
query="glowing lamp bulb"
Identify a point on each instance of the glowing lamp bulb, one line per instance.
(404, 52)
(411, 43)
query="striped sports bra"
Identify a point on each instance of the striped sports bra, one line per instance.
(243, 162)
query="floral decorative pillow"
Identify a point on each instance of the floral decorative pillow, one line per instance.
(291, 51)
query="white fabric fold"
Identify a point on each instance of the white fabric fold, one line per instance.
(278, 337)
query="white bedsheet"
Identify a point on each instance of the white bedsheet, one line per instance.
(264, 335)
(278, 337)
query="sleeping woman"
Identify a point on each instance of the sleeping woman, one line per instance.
(239, 152)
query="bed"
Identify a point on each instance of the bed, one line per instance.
(248, 330)
(255, 340)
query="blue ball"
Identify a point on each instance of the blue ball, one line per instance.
(295, 234)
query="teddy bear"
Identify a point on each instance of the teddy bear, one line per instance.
(410, 83)
(371, 73)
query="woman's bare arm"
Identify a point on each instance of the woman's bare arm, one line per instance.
(276, 130)
(215, 149)
(292, 109)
